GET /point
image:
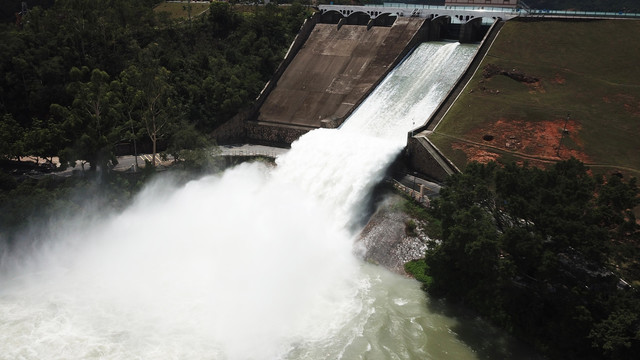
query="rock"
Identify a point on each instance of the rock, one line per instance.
(384, 241)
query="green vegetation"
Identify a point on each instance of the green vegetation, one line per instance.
(420, 214)
(600, 94)
(182, 10)
(419, 270)
(410, 227)
(80, 77)
(83, 76)
(32, 201)
(547, 254)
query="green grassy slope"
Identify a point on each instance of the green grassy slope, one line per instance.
(589, 70)
(180, 10)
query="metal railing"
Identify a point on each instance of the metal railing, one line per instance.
(580, 14)
(250, 153)
(520, 11)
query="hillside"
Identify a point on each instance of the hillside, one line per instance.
(542, 77)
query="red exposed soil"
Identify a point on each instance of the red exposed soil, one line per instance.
(536, 87)
(475, 153)
(534, 141)
(558, 79)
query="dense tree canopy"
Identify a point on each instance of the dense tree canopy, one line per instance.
(548, 254)
(81, 75)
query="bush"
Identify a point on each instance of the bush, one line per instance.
(418, 269)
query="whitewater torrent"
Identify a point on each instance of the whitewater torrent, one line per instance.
(256, 263)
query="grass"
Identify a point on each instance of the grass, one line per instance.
(180, 10)
(586, 69)
(417, 269)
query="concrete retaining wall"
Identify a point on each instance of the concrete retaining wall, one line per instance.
(273, 135)
(425, 158)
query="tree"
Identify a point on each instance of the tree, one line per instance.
(11, 138)
(204, 73)
(222, 18)
(93, 123)
(160, 111)
(466, 264)
(43, 139)
(193, 149)
(517, 237)
(131, 104)
(618, 335)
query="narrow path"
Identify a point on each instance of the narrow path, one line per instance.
(544, 159)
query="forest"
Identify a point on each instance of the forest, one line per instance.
(550, 255)
(82, 76)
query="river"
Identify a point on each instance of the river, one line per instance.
(253, 263)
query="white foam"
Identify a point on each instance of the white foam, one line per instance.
(253, 264)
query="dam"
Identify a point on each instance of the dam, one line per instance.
(340, 55)
(331, 74)
(337, 60)
(258, 262)
(254, 263)
(343, 52)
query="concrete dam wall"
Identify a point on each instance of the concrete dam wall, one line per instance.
(331, 74)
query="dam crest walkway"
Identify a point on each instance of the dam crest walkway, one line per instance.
(466, 13)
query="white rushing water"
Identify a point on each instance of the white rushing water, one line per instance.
(256, 263)
(405, 99)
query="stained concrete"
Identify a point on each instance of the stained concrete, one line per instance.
(335, 70)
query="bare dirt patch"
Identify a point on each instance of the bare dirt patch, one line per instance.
(544, 140)
(475, 152)
(491, 70)
(558, 79)
(536, 87)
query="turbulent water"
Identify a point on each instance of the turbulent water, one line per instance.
(406, 98)
(256, 263)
